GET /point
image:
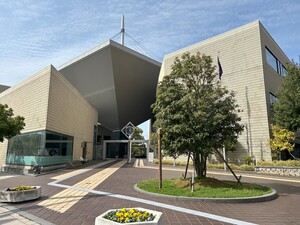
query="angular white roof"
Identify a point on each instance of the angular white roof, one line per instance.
(119, 82)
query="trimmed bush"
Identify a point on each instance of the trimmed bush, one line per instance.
(209, 165)
(288, 163)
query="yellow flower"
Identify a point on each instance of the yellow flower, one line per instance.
(119, 214)
(132, 211)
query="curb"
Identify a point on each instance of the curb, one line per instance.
(263, 198)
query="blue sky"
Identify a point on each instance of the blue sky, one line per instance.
(35, 34)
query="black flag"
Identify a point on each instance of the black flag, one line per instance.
(220, 69)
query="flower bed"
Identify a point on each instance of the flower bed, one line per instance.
(20, 194)
(132, 216)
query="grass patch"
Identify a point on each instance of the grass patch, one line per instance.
(205, 188)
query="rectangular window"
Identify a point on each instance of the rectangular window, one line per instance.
(40, 148)
(271, 60)
(273, 100)
(275, 63)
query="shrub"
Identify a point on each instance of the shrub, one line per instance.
(171, 161)
(246, 167)
(209, 165)
(248, 159)
(215, 165)
(288, 163)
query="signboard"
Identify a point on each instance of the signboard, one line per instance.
(128, 130)
(150, 157)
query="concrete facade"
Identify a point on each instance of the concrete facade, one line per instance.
(245, 71)
(48, 101)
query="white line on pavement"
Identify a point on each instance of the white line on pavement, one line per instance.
(157, 204)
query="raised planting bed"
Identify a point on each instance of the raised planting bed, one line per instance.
(207, 190)
(20, 194)
(132, 216)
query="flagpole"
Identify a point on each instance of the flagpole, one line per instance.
(220, 79)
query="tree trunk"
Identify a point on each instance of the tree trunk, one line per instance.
(200, 165)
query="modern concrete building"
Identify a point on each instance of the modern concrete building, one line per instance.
(253, 66)
(78, 110)
(58, 119)
(121, 84)
(71, 113)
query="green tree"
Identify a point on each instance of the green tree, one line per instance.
(281, 140)
(9, 126)
(153, 138)
(287, 109)
(138, 134)
(138, 148)
(196, 114)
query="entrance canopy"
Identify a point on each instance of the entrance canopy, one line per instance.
(119, 82)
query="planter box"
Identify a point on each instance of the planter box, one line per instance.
(20, 196)
(157, 221)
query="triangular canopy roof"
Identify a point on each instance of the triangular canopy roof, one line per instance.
(119, 82)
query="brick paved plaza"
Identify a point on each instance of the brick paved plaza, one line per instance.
(69, 200)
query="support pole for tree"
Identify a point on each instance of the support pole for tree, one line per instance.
(159, 132)
(237, 178)
(224, 155)
(187, 165)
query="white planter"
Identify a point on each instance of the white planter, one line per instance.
(157, 221)
(20, 196)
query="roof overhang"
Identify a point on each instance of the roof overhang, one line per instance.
(119, 82)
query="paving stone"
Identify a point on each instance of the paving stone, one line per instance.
(282, 210)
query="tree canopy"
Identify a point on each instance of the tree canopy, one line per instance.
(196, 114)
(281, 140)
(138, 148)
(9, 125)
(287, 109)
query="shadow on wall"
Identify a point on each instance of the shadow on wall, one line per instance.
(248, 124)
(235, 157)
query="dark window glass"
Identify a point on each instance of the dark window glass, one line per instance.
(40, 148)
(275, 63)
(273, 100)
(271, 60)
(284, 72)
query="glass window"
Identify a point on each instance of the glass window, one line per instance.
(27, 144)
(40, 148)
(271, 59)
(273, 100)
(283, 71)
(275, 63)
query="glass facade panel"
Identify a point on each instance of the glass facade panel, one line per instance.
(283, 71)
(271, 60)
(275, 63)
(40, 148)
(273, 100)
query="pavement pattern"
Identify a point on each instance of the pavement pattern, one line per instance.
(79, 196)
